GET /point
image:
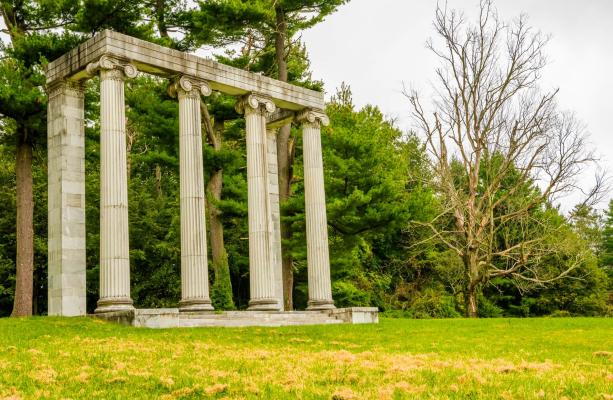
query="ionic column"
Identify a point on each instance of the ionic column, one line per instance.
(114, 239)
(194, 261)
(66, 199)
(261, 266)
(318, 258)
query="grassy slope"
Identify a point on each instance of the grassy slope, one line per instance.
(499, 358)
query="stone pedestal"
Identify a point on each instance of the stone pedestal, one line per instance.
(194, 261)
(160, 318)
(66, 201)
(318, 259)
(262, 286)
(114, 239)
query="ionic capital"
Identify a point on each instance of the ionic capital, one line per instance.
(118, 68)
(255, 103)
(312, 117)
(58, 87)
(188, 86)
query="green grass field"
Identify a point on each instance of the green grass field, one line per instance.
(397, 359)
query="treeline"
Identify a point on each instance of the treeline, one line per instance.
(383, 193)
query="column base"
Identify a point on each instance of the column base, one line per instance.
(114, 304)
(315, 305)
(194, 305)
(263, 305)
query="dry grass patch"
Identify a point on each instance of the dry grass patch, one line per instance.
(344, 394)
(44, 376)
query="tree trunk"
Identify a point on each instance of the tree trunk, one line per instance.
(213, 188)
(222, 285)
(160, 13)
(471, 285)
(284, 161)
(22, 305)
(280, 38)
(285, 176)
(158, 180)
(470, 302)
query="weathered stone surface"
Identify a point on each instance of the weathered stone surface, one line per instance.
(194, 262)
(356, 315)
(262, 283)
(66, 201)
(172, 318)
(114, 237)
(162, 61)
(122, 317)
(280, 118)
(318, 259)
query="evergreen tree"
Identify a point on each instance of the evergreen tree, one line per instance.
(588, 224)
(606, 255)
(40, 31)
(32, 42)
(370, 199)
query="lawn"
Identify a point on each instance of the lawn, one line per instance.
(397, 359)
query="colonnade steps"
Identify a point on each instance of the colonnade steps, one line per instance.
(172, 318)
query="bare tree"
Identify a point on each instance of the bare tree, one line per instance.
(493, 135)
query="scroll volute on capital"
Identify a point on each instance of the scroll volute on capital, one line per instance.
(189, 85)
(109, 63)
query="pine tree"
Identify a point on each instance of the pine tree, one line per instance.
(606, 256)
(588, 224)
(33, 41)
(40, 31)
(369, 165)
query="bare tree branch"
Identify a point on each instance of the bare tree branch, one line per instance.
(499, 149)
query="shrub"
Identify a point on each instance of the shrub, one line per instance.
(487, 309)
(432, 303)
(560, 314)
(397, 314)
(221, 289)
(346, 294)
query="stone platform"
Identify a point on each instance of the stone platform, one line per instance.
(172, 318)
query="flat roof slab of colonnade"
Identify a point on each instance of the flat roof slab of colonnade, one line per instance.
(266, 104)
(165, 62)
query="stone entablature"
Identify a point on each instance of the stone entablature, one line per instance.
(165, 62)
(266, 104)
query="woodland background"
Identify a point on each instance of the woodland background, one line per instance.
(380, 187)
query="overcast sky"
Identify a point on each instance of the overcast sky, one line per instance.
(377, 45)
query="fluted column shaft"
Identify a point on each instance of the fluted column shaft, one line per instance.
(318, 258)
(261, 266)
(194, 261)
(114, 240)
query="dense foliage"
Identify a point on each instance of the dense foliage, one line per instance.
(378, 183)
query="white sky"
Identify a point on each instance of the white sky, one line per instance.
(377, 45)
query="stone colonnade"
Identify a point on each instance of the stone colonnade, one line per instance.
(67, 197)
